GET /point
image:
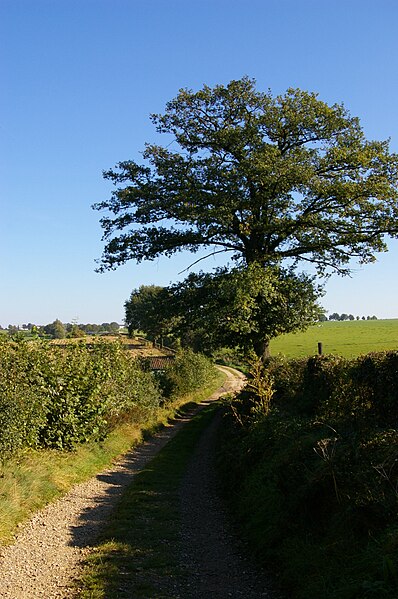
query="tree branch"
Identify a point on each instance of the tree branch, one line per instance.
(204, 258)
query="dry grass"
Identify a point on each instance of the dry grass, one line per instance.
(139, 347)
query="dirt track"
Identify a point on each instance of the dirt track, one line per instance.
(217, 564)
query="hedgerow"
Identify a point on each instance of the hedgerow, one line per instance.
(314, 477)
(22, 404)
(188, 372)
(60, 396)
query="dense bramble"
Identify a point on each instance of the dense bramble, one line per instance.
(314, 473)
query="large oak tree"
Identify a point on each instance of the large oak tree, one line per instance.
(268, 179)
(265, 178)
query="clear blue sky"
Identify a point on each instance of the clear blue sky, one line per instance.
(78, 81)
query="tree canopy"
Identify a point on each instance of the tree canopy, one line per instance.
(147, 311)
(264, 178)
(272, 181)
(242, 308)
(56, 329)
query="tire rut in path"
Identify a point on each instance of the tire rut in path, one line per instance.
(215, 561)
(47, 554)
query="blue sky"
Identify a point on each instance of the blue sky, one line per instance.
(78, 82)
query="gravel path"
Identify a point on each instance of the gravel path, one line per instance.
(213, 557)
(46, 556)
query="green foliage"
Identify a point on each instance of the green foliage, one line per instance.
(52, 396)
(271, 180)
(243, 307)
(75, 332)
(266, 178)
(315, 479)
(376, 378)
(55, 330)
(364, 389)
(91, 390)
(22, 403)
(57, 397)
(188, 373)
(148, 310)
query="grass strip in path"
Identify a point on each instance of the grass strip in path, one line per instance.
(137, 555)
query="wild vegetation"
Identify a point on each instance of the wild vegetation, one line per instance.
(58, 397)
(310, 461)
(54, 396)
(237, 309)
(67, 410)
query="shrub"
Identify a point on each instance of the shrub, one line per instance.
(92, 389)
(315, 481)
(22, 402)
(60, 396)
(189, 372)
(128, 391)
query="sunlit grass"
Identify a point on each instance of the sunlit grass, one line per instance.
(348, 339)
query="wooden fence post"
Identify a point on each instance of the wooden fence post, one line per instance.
(320, 348)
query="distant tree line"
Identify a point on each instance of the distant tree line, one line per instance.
(60, 330)
(336, 316)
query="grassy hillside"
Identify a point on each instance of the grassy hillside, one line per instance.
(348, 338)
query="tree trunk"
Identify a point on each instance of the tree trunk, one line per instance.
(261, 347)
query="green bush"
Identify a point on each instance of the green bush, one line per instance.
(128, 391)
(92, 389)
(75, 413)
(60, 396)
(22, 401)
(189, 372)
(315, 481)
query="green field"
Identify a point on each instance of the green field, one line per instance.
(348, 338)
